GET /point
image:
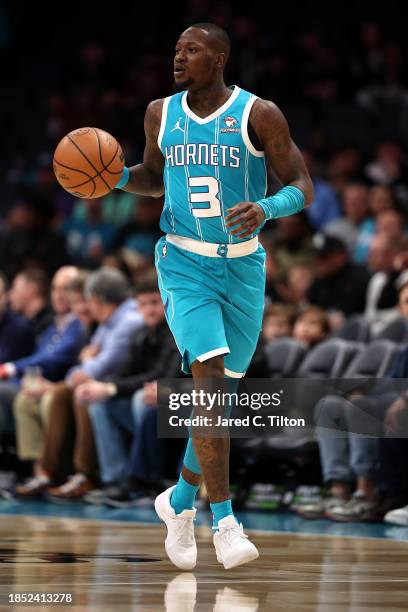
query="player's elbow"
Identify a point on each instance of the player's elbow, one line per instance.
(157, 191)
(308, 192)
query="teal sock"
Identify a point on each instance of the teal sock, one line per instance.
(183, 496)
(220, 510)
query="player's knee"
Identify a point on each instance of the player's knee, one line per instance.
(210, 368)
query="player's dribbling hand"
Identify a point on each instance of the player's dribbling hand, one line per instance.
(245, 217)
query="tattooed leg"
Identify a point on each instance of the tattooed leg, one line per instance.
(212, 452)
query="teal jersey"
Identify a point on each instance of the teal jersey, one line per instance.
(210, 165)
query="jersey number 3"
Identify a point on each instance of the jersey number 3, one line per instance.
(209, 197)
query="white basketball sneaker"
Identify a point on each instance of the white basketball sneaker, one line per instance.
(180, 544)
(232, 545)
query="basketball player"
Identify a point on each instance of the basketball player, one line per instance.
(207, 148)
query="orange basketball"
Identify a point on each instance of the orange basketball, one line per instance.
(88, 162)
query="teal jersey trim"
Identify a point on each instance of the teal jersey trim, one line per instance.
(210, 165)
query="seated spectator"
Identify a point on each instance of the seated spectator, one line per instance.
(277, 322)
(311, 326)
(392, 223)
(31, 405)
(355, 212)
(117, 207)
(29, 297)
(28, 240)
(126, 405)
(339, 284)
(382, 294)
(325, 206)
(90, 238)
(344, 167)
(79, 304)
(387, 168)
(381, 200)
(350, 434)
(295, 286)
(292, 243)
(16, 336)
(394, 450)
(69, 443)
(57, 349)
(141, 233)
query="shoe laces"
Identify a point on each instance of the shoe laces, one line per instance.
(232, 534)
(74, 481)
(185, 533)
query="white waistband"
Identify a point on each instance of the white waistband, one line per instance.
(210, 249)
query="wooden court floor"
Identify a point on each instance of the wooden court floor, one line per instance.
(117, 567)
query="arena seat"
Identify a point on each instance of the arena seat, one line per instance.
(397, 331)
(374, 361)
(328, 359)
(284, 357)
(355, 328)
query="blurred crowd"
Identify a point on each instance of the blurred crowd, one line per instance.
(83, 338)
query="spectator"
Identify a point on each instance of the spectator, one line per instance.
(127, 405)
(69, 444)
(325, 206)
(32, 403)
(294, 288)
(277, 322)
(292, 244)
(381, 200)
(402, 286)
(117, 208)
(28, 240)
(311, 326)
(391, 222)
(57, 349)
(381, 197)
(387, 167)
(29, 297)
(353, 446)
(344, 167)
(16, 336)
(355, 211)
(339, 284)
(90, 238)
(141, 233)
(382, 295)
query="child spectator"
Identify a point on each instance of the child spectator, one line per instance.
(277, 322)
(311, 326)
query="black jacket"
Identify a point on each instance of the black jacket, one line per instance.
(153, 355)
(345, 291)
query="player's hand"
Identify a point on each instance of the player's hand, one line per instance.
(245, 217)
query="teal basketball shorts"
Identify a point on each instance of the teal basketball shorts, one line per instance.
(213, 305)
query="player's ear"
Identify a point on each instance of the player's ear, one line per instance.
(220, 60)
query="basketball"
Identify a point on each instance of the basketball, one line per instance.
(88, 162)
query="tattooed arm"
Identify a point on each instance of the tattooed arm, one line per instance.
(285, 159)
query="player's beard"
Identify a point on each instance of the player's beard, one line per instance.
(181, 85)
